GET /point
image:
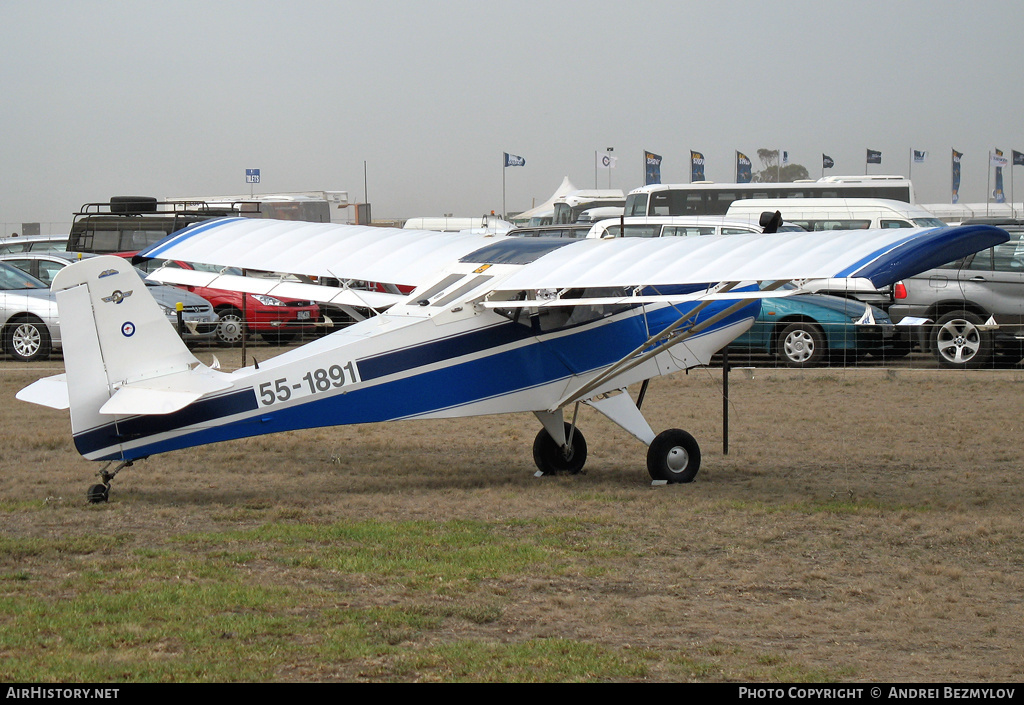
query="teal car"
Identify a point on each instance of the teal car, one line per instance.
(805, 330)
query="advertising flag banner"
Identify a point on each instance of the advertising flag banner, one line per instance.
(1018, 158)
(696, 166)
(743, 174)
(957, 156)
(999, 161)
(827, 162)
(513, 160)
(874, 156)
(606, 161)
(920, 156)
(652, 168)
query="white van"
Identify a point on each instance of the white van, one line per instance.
(816, 214)
(677, 226)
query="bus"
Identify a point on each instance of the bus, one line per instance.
(569, 207)
(707, 198)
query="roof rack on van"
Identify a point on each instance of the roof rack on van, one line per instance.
(142, 205)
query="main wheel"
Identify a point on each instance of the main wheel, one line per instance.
(28, 340)
(230, 327)
(958, 342)
(673, 456)
(801, 345)
(552, 459)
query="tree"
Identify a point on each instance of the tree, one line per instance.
(771, 172)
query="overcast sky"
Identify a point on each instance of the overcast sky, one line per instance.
(179, 98)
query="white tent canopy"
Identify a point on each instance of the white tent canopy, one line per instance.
(548, 207)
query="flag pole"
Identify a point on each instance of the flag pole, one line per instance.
(503, 211)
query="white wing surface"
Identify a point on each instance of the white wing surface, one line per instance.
(411, 257)
(389, 255)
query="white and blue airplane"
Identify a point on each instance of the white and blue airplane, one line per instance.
(495, 324)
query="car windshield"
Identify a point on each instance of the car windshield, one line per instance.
(929, 223)
(12, 278)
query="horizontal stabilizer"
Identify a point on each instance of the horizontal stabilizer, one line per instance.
(48, 391)
(162, 395)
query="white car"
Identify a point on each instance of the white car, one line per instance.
(28, 316)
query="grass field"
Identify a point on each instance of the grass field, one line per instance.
(865, 525)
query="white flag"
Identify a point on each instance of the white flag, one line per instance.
(998, 160)
(606, 161)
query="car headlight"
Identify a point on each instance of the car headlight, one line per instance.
(268, 300)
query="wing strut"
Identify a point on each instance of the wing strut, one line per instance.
(667, 338)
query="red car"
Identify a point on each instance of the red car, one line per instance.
(277, 320)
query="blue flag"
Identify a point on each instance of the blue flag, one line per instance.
(874, 156)
(743, 174)
(696, 166)
(513, 160)
(1018, 158)
(827, 162)
(652, 168)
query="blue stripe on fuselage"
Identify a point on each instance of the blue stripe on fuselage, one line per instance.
(549, 358)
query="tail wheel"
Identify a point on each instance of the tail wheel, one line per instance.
(674, 456)
(553, 459)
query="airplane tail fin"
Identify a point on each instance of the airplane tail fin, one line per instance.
(121, 356)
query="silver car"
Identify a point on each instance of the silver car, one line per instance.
(970, 312)
(28, 316)
(199, 320)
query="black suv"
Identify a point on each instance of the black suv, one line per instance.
(974, 307)
(133, 223)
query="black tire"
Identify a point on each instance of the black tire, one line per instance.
(27, 340)
(673, 456)
(801, 344)
(98, 494)
(230, 327)
(552, 460)
(132, 204)
(958, 342)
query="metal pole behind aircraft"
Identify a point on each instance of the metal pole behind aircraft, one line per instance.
(725, 400)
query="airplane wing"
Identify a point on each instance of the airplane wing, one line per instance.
(276, 287)
(413, 257)
(388, 255)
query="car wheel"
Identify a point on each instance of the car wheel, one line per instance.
(959, 342)
(28, 340)
(801, 345)
(230, 327)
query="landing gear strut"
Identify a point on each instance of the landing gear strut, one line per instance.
(100, 493)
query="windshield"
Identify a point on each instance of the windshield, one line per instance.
(12, 278)
(929, 223)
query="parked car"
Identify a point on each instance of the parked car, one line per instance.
(33, 243)
(277, 320)
(28, 316)
(970, 313)
(198, 317)
(805, 330)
